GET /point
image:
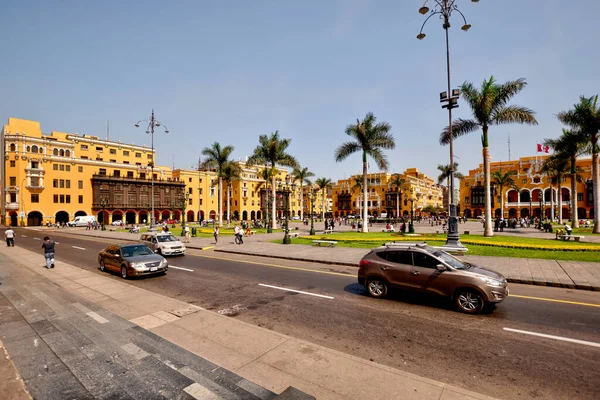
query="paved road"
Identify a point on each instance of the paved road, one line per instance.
(414, 333)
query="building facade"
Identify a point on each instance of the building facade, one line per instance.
(419, 192)
(52, 178)
(534, 195)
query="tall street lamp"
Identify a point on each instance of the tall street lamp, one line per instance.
(103, 203)
(184, 201)
(287, 188)
(311, 197)
(152, 123)
(444, 9)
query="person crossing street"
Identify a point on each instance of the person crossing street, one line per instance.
(9, 235)
(48, 246)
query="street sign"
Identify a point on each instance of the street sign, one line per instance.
(22, 214)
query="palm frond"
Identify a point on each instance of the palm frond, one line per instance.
(379, 158)
(514, 114)
(460, 127)
(345, 150)
(507, 91)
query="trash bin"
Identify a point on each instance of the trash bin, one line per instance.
(194, 231)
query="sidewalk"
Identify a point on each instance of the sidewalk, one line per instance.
(76, 334)
(567, 274)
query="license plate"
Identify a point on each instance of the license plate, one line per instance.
(153, 269)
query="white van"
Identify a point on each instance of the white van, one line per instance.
(82, 221)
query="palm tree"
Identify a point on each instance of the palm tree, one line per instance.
(555, 167)
(216, 157)
(585, 119)
(400, 184)
(302, 175)
(489, 107)
(323, 184)
(502, 180)
(272, 151)
(231, 172)
(445, 176)
(568, 147)
(370, 139)
(266, 174)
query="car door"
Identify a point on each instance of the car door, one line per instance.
(396, 269)
(108, 255)
(425, 277)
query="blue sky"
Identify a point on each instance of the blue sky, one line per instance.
(229, 71)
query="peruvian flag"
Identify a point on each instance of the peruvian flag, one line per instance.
(542, 149)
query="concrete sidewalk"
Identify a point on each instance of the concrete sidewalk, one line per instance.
(164, 335)
(568, 274)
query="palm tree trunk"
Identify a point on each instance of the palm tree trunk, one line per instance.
(301, 203)
(487, 231)
(365, 228)
(228, 205)
(551, 203)
(560, 220)
(220, 198)
(501, 202)
(596, 187)
(323, 204)
(273, 209)
(397, 205)
(574, 219)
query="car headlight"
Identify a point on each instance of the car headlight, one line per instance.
(163, 262)
(491, 281)
(137, 265)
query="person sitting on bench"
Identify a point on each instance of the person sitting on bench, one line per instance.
(568, 229)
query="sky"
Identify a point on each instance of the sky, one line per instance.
(228, 71)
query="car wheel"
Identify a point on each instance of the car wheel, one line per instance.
(377, 287)
(124, 274)
(102, 266)
(469, 301)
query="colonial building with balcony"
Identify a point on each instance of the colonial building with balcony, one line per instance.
(534, 193)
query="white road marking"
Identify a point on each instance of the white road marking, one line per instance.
(564, 339)
(56, 243)
(183, 269)
(296, 291)
(97, 317)
(36, 238)
(23, 235)
(79, 248)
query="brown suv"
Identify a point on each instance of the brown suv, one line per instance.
(420, 267)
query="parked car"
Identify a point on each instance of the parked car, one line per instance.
(419, 267)
(131, 260)
(118, 222)
(163, 243)
(82, 220)
(296, 218)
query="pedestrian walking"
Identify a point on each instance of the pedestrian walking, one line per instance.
(9, 235)
(187, 234)
(216, 233)
(48, 247)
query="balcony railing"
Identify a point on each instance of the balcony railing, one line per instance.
(12, 189)
(12, 206)
(35, 187)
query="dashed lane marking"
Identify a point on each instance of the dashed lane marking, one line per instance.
(183, 269)
(78, 248)
(23, 236)
(561, 338)
(296, 291)
(36, 238)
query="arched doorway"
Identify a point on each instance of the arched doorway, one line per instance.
(177, 215)
(524, 196)
(130, 217)
(524, 213)
(512, 196)
(212, 214)
(116, 216)
(156, 215)
(405, 213)
(245, 215)
(200, 215)
(102, 217)
(80, 214)
(35, 218)
(467, 213)
(536, 212)
(497, 213)
(581, 213)
(190, 216)
(143, 217)
(566, 213)
(252, 215)
(236, 215)
(258, 215)
(13, 218)
(60, 217)
(477, 212)
(512, 213)
(166, 214)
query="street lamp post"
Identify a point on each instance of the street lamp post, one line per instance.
(152, 123)
(269, 228)
(444, 9)
(103, 203)
(184, 202)
(311, 196)
(287, 188)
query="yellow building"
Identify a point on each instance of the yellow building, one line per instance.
(52, 178)
(382, 197)
(534, 194)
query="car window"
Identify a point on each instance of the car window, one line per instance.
(424, 260)
(153, 240)
(166, 238)
(109, 250)
(116, 251)
(400, 257)
(450, 260)
(133, 251)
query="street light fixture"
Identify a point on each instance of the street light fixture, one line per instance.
(444, 9)
(152, 123)
(286, 188)
(184, 201)
(312, 197)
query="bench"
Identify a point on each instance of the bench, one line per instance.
(293, 235)
(329, 243)
(325, 232)
(387, 230)
(568, 237)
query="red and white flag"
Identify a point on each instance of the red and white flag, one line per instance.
(543, 149)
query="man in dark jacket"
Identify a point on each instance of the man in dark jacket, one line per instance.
(48, 247)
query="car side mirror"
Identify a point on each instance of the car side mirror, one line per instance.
(441, 267)
(156, 251)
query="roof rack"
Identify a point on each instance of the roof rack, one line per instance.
(405, 244)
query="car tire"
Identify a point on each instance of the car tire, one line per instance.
(124, 273)
(377, 287)
(469, 301)
(102, 266)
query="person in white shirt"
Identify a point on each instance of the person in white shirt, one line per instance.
(187, 234)
(9, 235)
(568, 229)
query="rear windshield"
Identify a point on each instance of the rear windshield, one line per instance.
(137, 250)
(166, 238)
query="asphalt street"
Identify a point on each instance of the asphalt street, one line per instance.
(500, 354)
